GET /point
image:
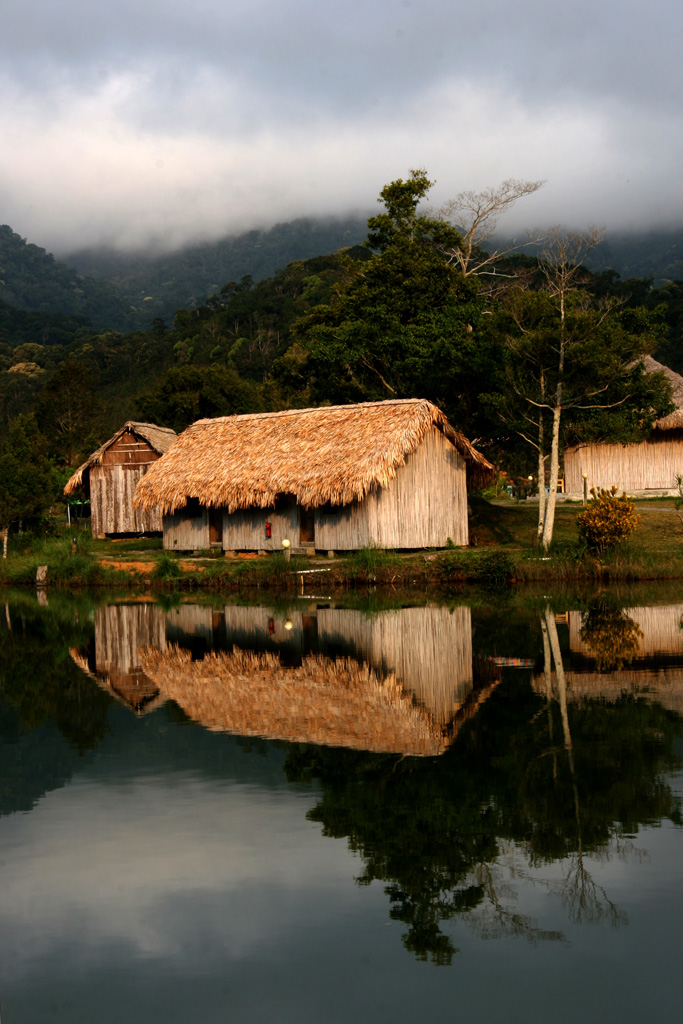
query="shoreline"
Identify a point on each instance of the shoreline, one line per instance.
(502, 553)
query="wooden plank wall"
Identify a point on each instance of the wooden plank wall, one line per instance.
(111, 501)
(424, 505)
(429, 650)
(186, 533)
(246, 530)
(653, 464)
(121, 630)
(129, 450)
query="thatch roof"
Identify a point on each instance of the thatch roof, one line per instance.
(159, 439)
(674, 421)
(333, 454)
(342, 703)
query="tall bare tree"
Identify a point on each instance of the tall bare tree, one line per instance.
(561, 262)
(475, 215)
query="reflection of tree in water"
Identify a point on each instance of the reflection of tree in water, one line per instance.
(38, 675)
(529, 782)
(612, 636)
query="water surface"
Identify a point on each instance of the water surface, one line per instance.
(312, 812)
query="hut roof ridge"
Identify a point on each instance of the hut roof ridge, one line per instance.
(332, 454)
(674, 420)
(160, 440)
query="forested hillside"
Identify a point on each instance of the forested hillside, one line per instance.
(158, 285)
(32, 279)
(393, 318)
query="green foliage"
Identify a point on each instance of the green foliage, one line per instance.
(402, 324)
(27, 483)
(166, 567)
(432, 829)
(368, 562)
(401, 222)
(156, 286)
(34, 280)
(607, 520)
(495, 568)
(491, 569)
(68, 412)
(612, 636)
(188, 393)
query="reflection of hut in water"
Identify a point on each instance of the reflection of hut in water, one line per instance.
(393, 681)
(656, 671)
(121, 632)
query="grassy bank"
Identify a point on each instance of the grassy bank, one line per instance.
(503, 551)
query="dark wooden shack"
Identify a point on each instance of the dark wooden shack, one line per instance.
(386, 474)
(112, 473)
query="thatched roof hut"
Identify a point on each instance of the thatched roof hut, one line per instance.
(651, 465)
(111, 474)
(316, 459)
(332, 702)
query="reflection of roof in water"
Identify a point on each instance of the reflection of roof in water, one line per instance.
(400, 680)
(133, 688)
(324, 701)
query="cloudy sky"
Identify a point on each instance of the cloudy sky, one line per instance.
(130, 121)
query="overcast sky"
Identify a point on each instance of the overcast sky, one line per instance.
(138, 120)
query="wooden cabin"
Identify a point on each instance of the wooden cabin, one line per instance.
(400, 681)
(112, 473)
(384, 474)
(652, 465)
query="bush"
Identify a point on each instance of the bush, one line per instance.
(368, 562)
(166, 568)
(495, 568)
(608, 520)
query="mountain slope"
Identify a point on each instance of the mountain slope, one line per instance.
(159, 285)
(32, 279)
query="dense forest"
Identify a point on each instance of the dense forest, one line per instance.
(397, 316)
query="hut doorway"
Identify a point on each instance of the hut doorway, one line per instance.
(306, 525)
(216, 526)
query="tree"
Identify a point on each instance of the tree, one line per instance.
(68, 412)
(27, 484)
(476, 215)
(402, 323)
(188, 393)
(567, 354)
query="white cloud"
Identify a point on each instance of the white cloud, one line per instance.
(80, 168)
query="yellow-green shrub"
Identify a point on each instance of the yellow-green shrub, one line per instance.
(608, 519)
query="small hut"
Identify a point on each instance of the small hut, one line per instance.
(112, 473)
(385, 474)
(652, 465)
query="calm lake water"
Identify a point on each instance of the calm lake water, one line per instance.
(318, 813)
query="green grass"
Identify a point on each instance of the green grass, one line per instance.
(504, 550)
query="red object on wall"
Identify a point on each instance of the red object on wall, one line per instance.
(269, 530)
(271, 626)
